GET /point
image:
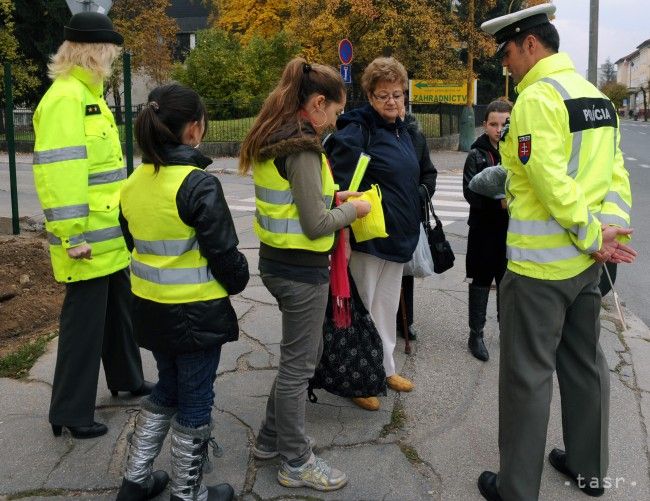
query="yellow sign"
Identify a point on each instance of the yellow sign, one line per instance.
(438, 91)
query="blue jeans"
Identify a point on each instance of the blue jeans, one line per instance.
(186, 382)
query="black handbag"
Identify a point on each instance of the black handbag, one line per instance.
(352, 363)
(441, 252)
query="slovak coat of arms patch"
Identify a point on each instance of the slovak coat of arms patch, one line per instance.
(525, 148)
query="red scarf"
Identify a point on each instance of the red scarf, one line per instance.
(339, 282)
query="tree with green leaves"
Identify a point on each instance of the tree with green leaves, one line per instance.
(232, 78)
(615, 91)
(24, 71)
(39, 36)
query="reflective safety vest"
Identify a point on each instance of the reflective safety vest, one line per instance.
(276, 220)
(78, 170)
(566, 175)
(166, 265)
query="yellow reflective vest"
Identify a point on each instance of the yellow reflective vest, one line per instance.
(276, 220)
(566, 175)
(78, 171)
(166, 265)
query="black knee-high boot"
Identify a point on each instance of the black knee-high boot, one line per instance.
(478, 299)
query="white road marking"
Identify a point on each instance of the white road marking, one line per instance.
(645, 166)
(631, 159)
(448, 203)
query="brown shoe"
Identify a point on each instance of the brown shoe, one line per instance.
(368, 403)
(399, 383)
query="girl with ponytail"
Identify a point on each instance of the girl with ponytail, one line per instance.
(298, 213)
(184, 266)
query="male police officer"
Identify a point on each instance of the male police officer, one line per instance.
(569, 202)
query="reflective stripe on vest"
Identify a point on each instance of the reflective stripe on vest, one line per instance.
(167, 265)
(89, 236)
(277, 222)
(110, 176)
(67, 212)
(60, 154)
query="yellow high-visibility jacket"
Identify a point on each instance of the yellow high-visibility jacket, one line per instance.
(276, 220)
(167, 265)
(78, 171)
(566, 175)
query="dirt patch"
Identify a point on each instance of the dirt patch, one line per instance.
(30, 299)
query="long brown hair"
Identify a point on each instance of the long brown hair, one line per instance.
(298, 82)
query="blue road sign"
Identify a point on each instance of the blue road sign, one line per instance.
(345, 51)
(346, 73)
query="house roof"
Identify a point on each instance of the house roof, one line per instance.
(190, 15)
(628, 57)
(644, 44)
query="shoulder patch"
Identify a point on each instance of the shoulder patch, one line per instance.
(93, 109)
(525, 148)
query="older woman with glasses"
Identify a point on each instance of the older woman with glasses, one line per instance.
(376, 265)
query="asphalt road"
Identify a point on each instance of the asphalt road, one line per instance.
(633, 281)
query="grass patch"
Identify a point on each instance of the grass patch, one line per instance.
(16, 365)
(410, 453)
(397, 420)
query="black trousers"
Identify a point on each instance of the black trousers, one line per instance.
(95, 324)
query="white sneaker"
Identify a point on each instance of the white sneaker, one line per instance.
(315, 473)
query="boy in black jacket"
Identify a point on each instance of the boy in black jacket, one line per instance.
(488, 225)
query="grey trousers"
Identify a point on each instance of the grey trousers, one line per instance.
(303, 312)
(95, 324)
(547, 326)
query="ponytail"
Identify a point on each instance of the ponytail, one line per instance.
(299, 81)
(164, 118)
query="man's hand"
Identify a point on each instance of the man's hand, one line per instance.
(344, 195)
(82, 251)
(612, 250)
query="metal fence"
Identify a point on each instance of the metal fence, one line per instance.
(436, 120)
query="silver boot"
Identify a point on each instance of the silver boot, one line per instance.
(151, 427)
(189, 457)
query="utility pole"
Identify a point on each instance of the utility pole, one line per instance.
(467, 126)
(592, 68)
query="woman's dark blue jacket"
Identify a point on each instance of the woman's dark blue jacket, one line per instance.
(393, 166)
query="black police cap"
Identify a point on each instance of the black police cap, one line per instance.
(92, 27)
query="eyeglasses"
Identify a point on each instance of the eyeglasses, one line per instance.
(384, 98)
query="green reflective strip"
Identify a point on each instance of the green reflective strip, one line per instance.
(576, 144)
(68, 212)
(92, 237)
(359, 171)
(542, 255)
(110, 176)
(281, 226)
(60, 154)
(615, 198)
(613, 219)
(271, 196)
(166, 247)
(171, 276)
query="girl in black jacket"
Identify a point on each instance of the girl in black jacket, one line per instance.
(488, 225)
(184, 265)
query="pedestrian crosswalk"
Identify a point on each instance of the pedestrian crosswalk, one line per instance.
(448, 201)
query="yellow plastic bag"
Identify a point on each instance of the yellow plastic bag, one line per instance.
(373, 224)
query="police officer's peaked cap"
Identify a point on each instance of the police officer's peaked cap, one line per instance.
(505, 28)
(92, 27)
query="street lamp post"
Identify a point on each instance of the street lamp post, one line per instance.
(467, 123)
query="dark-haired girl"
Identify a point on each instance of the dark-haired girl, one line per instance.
(185, 263)
(296, 220)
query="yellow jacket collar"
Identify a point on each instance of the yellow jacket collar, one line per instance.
(89, 79)
(544, 67)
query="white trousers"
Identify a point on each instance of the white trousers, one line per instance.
(378, 282)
